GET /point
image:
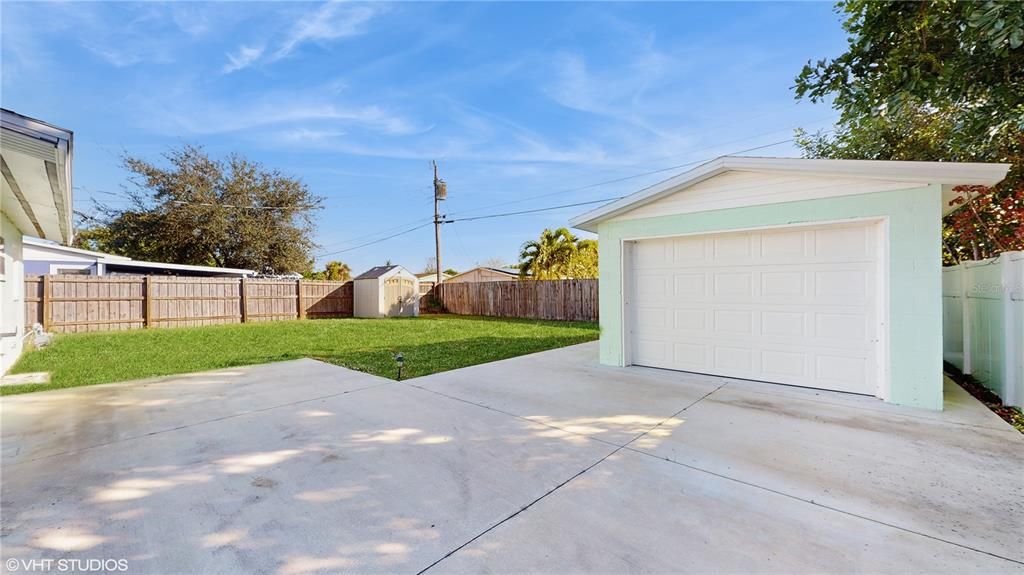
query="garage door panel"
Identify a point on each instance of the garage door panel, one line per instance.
(651, 286)
(844, 243)
(734, 322)
(732, 247)
(841, 283)
(690, 356)
(652, 318)
(690, 285)
(787, 324)
(652, 352)
(785, 364)
(733, 360)
(792, 306)
(842, 373)
(784, 245)
(732, 284)
(851, 327)
(690, 319)
(784, 284)
(688, 250)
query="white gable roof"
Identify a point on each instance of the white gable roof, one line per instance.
(885, 175)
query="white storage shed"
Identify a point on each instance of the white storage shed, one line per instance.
(386, 291)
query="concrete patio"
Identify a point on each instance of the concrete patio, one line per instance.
(542, 463)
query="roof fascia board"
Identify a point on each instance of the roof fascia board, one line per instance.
(696, 175)
(948, 173)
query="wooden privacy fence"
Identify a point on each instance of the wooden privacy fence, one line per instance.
(571, 300)
(75, 303)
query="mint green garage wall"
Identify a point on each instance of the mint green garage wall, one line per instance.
(915, 277)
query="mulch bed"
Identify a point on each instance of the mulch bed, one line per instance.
(1010, 414)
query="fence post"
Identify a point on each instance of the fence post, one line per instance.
(147, 301)
(965, 317)
(300, 304)
(243, 291)
(46, 303)
(1012, 264)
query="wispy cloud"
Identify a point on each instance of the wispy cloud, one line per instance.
(330, 22)
(325, 108)
(242, 58)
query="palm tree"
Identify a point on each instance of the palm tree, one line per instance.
(549, 256)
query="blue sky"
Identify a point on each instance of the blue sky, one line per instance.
(514, 100)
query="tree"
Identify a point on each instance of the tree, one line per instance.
(940, 81)
(203, 211)
(338, 271)
(431, 266)
(558, 254)
(547, 257)
(451, 272)
(583, 264)
(495, 262)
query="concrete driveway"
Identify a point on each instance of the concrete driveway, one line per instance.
(543, 463)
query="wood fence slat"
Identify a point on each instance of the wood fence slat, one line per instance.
(73, 303)
(567, 300)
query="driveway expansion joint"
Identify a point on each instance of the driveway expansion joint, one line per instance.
(822, 505)
(562, 484)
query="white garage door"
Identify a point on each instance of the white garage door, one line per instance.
(788, 305)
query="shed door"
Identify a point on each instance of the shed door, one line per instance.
(798, 306)
(399, 295)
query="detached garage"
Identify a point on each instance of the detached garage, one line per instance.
(816, 273)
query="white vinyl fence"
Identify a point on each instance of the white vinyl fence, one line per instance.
(983, 322)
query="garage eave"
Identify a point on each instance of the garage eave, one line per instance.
(947, 174)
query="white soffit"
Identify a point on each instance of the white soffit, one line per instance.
(36, 188)
(948, 174)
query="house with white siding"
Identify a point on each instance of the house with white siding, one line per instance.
(35, 198)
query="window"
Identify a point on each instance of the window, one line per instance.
(71, 269)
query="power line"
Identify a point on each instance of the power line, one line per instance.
(533, 211)
(549, 208)
(378, 232)
(377, 241)
(624, 178)
(212, 205)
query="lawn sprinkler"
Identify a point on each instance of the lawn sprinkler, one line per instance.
(400, 360)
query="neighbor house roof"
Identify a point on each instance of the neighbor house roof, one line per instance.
(501, 271)
(495, 270)
(128, 265)
(948, 174)
(121, 263)
(46, 244)
(35, 158)
(375, 272)
(428, 275)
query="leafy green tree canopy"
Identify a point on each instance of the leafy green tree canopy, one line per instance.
(558, 254)
(204, 211)
(935, 80)
(936, 55)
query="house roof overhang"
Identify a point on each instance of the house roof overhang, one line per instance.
(947, 174)
(36, 183)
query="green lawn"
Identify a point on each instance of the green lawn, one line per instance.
(430, 344)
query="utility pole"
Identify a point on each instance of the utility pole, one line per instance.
(440, 193)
